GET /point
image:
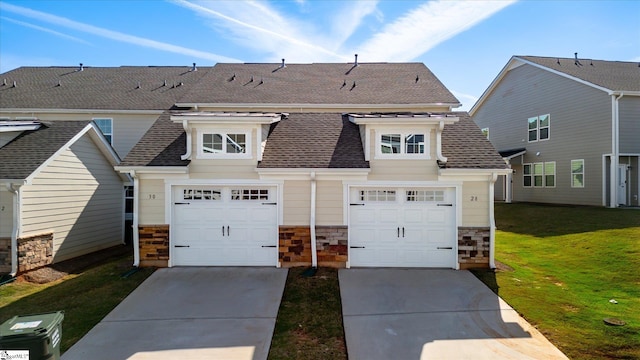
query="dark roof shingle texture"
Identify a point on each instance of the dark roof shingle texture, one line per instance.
(314, 140)
(375, 83)
(162, 145)
(612, 75)
(113, 88)
(24, 154)
(466, 147)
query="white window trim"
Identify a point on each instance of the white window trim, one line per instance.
(544, 175)
(571, 173)
(103, 133)
(248, 154)
(537, 129)
(403, 133)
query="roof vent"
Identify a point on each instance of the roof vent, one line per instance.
(81, 68)
(261, 81)
(356, 62)
(4, 82)
(194, 68)
(59, 83)
(577, 62)
(233, 77)
(164, 84)
(591, 62)
(14, 83)
(353, 86)
(558, 61)
(138, 86)
(417, 78)
(344, 83)
(283, 65)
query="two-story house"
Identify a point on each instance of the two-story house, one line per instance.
(569, 128)
(315, 164)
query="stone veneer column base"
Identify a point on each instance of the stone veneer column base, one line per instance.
(154, 245)
(473, 247)
(34, 251)
(295, 246)
(5, 255)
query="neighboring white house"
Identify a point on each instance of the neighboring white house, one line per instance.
(60, 196)
(362, 165)
(569, 128)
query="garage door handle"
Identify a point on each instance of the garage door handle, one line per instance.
(445, 248)
(398, 231)
(356, 204)
(228, 232)
(270, 203)
(269, 246)
(357, 247)
(222, 230)
(180, 245)
(403, 231)
(445, 204)
(181, 203)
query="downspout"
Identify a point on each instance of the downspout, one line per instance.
(492, 222)
(187, 131)
(615, 150)
(136, 207)
(441, 158)
(312, 221)
(15, 232)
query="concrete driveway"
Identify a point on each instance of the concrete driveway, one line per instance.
(432, 314)
(190, 313)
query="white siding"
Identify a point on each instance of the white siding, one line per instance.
(6, 213)
(329, 203)
(79, 197)
(151, 202)
(297, 202)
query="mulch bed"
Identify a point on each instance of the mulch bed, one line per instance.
(59, 270)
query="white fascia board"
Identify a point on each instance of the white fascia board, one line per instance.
(80, 111)
(400, 183)
(625, 93)
(336, 107)
(320, 174)
(473, 172)
(154, 169)
(217, 119)
(434, 120)
(103, 144)
(19, 127)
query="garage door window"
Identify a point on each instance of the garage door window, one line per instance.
(425, 195)
(201, 194)
(377, 195)
(250, 194)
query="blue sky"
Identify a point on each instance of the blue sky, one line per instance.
(465, 43)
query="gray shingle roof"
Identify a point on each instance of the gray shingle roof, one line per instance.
(466, 147)
(162, 145)
(375, 83)
(612, 75)
(97, 87)
(24, 154)
(314, 140)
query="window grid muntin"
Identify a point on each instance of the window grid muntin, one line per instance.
(542, 174)
(106, 127)
(378, 195)
(414, 144)
(224, 143)
(539, 128)
(390, 143)
(577, 173)
(249, 194)
(202, 194)
(424, 195)
(409, 144)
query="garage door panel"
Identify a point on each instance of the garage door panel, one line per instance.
(437, 216)
(364, 216)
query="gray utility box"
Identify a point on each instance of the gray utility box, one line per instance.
(39, 334)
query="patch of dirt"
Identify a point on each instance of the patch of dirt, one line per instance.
(503, 267)
(59, 270)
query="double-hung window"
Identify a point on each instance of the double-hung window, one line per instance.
(577, 173)
(539, 127)
(224, 144)
(106, 126)
(542, 174)
(402, 144)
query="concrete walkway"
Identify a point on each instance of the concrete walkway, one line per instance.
(432, 314)
(190, 313)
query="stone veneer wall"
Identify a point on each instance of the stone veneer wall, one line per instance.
(332, 246)
(473, 247)
(5, 255)
(154, 245)
(295, 246)
(35, 251)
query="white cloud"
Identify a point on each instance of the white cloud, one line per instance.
(258, 26)
(113, 35)
(425, 27)
(467, 100)
(56, 33)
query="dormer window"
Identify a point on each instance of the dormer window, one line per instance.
(407, 145)
(224, 144)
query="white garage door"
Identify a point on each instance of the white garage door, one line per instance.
(402, 227)
(219, 226)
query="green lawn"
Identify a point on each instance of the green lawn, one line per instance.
(85, 297)
(568, 263)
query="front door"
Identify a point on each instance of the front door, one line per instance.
(622, 184)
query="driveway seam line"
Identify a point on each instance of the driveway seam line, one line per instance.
(432, 312)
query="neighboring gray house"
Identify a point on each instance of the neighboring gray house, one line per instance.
(568, 127)
(60, 196)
